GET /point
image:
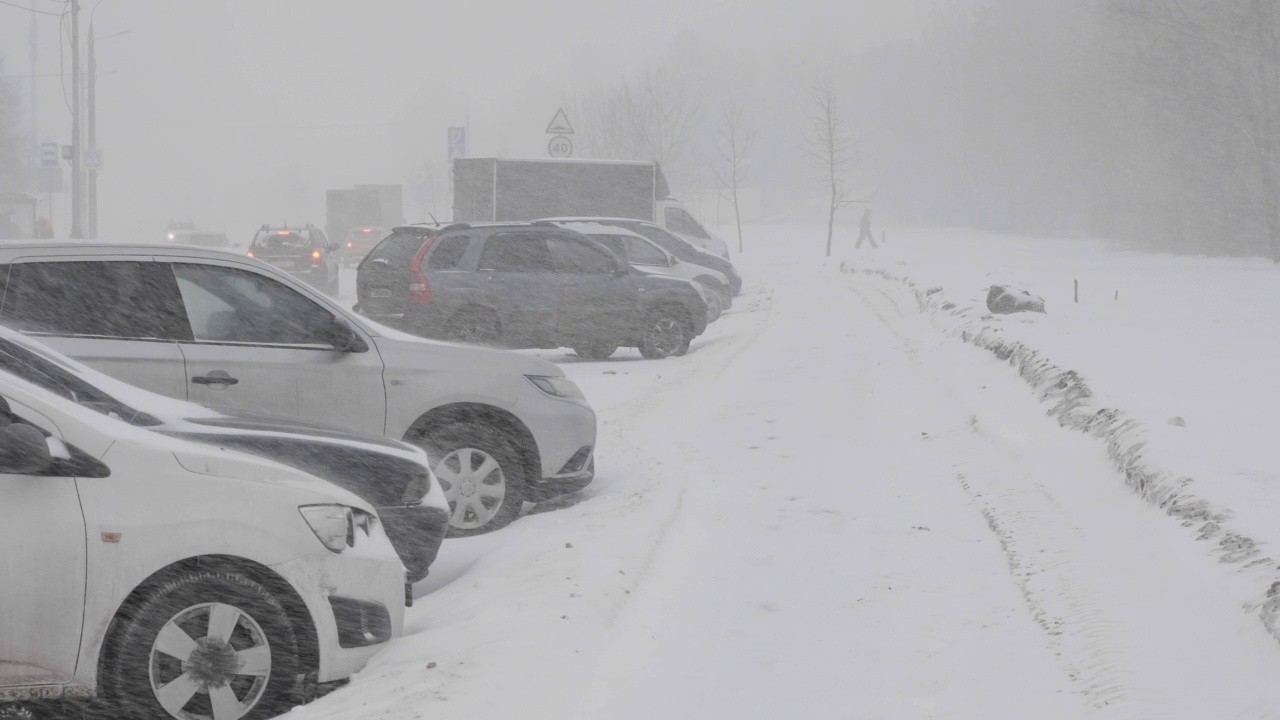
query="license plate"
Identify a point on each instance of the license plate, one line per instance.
(381, 294)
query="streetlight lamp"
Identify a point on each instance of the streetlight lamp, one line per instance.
(93, 124)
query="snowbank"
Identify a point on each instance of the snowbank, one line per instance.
(1155, 476)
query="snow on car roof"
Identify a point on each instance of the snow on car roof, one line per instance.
(595, 228)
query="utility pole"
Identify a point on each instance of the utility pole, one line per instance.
(35, 125)
(93, 132)
(77, 182)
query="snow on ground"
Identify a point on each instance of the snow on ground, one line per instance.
(1185, 345)
(830, 509)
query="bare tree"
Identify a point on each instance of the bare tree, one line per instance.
(733, 149)
(646, 117)
(833, 146)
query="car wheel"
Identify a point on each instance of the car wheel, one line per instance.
(480, 473)
(206, 646)
(665, 334)
(474, 326)
(595, 350)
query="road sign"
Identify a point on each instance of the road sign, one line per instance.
(560, 147)
(457, 143)
(560, 125)
(49, 154)
(93, 159)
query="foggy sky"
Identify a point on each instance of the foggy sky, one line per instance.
(236, 113)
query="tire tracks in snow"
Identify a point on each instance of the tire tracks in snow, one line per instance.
(1085, 574)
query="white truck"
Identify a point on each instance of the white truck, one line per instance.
(512, 189)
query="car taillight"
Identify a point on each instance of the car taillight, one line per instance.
(419, 290)
(350, 245)
(316, 256)
(250, 253)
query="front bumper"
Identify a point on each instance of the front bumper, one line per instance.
(551, 487)
(372, 577)
(561, 428)
(416, 532)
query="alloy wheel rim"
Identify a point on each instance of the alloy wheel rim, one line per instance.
(474, 485)
(665, 336)
(220, 675)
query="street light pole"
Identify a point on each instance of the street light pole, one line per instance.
(77, 190)
(93, 133)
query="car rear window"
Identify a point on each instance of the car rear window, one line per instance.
(448, 252)
(398, 250)
(282, 241)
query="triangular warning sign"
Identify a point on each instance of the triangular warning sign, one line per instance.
(560, 124)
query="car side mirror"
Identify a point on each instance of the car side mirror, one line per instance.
(343, 337)
(23, 450)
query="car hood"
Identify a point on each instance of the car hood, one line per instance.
(402, 351)
(235, 466)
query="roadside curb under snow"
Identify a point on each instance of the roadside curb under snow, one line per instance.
(1073, 405)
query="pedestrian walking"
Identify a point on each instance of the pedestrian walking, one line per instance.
(865, 230)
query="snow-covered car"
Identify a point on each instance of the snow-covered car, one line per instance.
(169, 578)
(682, 246)
(222, 329)
(393, 476)
(646, 256)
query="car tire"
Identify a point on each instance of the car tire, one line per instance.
(481, 498)
(473, 326)
(143, 674)
(666, 333)
(596, 350)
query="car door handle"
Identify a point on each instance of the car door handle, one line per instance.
(214, 380)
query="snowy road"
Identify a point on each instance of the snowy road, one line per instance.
(826, 510)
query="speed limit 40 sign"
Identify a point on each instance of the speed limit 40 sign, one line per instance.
(560, 147)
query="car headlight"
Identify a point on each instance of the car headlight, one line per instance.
(335, 525)
(557, 386)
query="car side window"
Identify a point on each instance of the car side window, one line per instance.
(126, 299)
(237, 306)
(574, 256)
(516, 252)
(644, 253)
(398, 250)
(682, 222)
(448, 252)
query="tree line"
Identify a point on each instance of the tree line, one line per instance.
(1150, 121)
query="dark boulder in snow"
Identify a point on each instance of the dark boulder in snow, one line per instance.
(1006, 299)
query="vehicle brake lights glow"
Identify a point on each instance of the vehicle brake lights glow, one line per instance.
(282, 232)
(250, 253)
(315, 254)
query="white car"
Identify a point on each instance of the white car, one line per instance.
(646, 256)
(169, 578)
(228, 330)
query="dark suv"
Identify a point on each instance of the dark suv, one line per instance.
(303, 252)
(526, 285)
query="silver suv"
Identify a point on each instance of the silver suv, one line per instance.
(226, 330)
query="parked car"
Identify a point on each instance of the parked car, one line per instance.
(169, 578)
(228, 330)
(526, 285)
(176, 231)
(681, 246)
(648, 257)
(394, 477)
(303, 252)
(359, 242)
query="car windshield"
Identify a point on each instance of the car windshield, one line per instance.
(49, 374)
